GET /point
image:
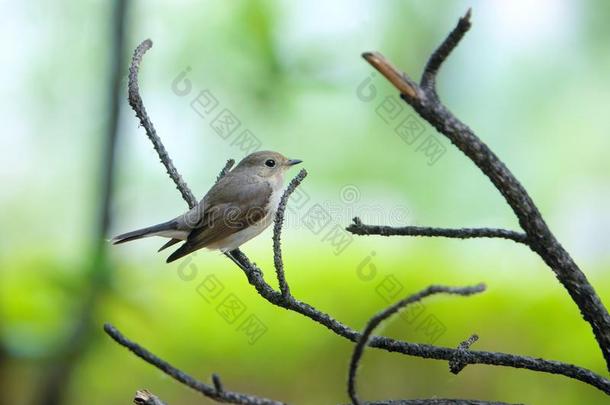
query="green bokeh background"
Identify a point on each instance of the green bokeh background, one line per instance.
(530, 79)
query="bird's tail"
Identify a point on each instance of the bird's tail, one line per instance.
(167, 229)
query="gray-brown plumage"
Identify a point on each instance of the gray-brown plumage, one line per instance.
(236, 209)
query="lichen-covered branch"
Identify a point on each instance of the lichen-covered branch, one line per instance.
(277, 232)
(135, 101)
(358, 228)
(424, 100)
(428, 79)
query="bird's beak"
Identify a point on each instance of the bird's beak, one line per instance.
(293, 162)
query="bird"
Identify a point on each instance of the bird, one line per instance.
(240, 206)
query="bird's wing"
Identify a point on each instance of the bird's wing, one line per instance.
(229, 207)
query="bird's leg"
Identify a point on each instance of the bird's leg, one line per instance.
(231, 256)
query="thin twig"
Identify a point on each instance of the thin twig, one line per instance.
(358, 228)
(456, 365)
(205, 389)
(225, 169)
(277, 232)
(386, 313)
(428, 80)
(540, 239)
(135, 101)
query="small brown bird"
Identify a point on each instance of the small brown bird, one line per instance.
(236, 209)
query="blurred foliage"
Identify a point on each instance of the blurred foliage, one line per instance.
(530, 79)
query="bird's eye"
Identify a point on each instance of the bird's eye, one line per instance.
(270, 163)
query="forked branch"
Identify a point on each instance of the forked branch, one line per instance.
(135, 101)
(424, 100)
(376, 320)
(465, 357)
(277, 233)
(459, 357)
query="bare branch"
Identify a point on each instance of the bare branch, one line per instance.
(135, 101)
(540, 238)
(386, 313)
(428, 80)
(277, 232)
(207, 390)
(255, 278)
(358, 228)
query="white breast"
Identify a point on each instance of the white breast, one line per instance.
(274, 200)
